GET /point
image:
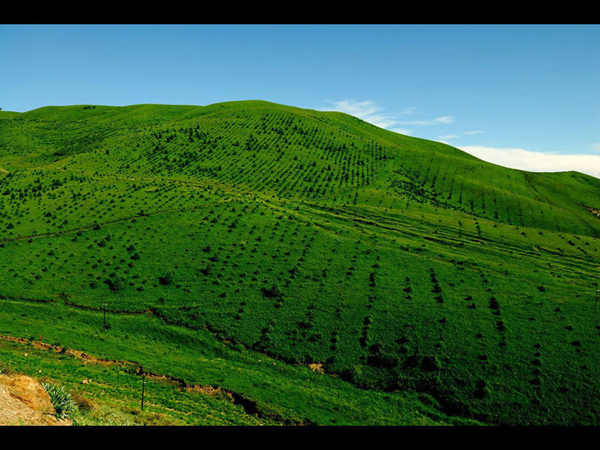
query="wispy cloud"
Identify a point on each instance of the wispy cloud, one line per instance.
(437, 121)
(409, 110)
(518, 158)
(404, 131)
(371, 112)
(359, 109)
(447, 137)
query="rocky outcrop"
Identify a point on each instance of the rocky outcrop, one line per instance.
(23, 401)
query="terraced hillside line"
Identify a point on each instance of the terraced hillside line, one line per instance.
(188, 182)
(40, 345)
(418, 233)
(153, 312)
(111, 222)
(70, 304)
(26, 299)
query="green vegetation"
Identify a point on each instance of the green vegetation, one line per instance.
(63, 403)
(312, 268)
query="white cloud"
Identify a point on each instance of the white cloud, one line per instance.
(436, 121)
(369, 111)
(447, 137)
(380, 120)
(366, 110)
(410, 110)
(402, 131)
(518, 158)
(354, 108)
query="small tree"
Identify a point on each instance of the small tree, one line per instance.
(116, 284)
(168, 278)
(274, 292)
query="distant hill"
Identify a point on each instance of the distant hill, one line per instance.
(295, 153)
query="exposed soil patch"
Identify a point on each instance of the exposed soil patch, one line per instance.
(23, 401)
(594, 211)
(67, 351)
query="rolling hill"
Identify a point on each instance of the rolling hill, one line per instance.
(314, 267)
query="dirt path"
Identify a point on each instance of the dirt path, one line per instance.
(3, 170)
(68, 351)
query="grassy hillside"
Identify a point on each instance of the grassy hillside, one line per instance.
(316, 267)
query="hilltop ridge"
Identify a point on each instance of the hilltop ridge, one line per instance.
(333, 156)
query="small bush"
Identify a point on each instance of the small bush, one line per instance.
(167, 279)
(83, 403)
(4, 369)
(62, 401)
(116, 284)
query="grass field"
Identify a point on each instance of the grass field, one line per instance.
(307, 267)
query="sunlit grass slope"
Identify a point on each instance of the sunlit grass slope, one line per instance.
(306, 261)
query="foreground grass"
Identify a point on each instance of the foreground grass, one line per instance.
(278, 392)
(238, 245)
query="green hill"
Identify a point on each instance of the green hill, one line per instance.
(319, 268)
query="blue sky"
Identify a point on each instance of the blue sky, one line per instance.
(526, 96)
